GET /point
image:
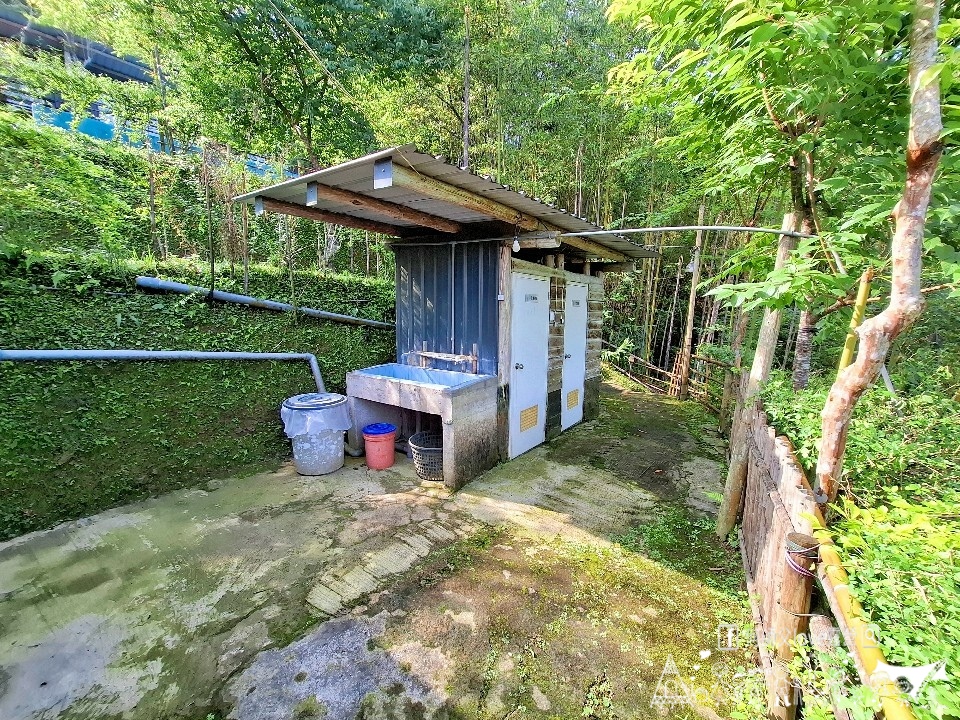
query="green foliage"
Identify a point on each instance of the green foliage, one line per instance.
(68, 192)
(798, 280)
(76, 438)
(65, 192)
(897, 527)
(43, 74)
(810, 97)
(270, 77)
(598, 703)
(540, 118)
(825, 681)
(903, 555)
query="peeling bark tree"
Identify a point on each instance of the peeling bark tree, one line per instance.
(906, 301)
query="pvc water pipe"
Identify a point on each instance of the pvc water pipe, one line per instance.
(152, 283)
(680, 228)
(156, 355)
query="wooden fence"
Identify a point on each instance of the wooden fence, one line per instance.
(780, 554)
(711, 382)
(778, 517)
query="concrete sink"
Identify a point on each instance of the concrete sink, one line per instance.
(465, 404)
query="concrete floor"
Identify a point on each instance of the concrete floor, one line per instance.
(372, 594)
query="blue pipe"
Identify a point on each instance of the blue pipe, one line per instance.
(152, 283)
(163, 355)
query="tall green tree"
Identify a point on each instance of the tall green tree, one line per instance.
(271, 76)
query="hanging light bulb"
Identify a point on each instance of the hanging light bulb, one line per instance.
(516, 244)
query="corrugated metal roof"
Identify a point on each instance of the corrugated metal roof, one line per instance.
(357, 176)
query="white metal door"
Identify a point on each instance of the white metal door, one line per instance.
(529, 330)
(574, 355)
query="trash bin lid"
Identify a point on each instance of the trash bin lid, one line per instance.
(379, 429)
(314, 401)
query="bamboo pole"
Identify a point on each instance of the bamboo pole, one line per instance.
(791, 333)
(652, 307)
(687, 350)
(668, 337)
(466, 88)
(366, 242)
(859, 636)
(245, 229)
(859, 308)
(209, 207)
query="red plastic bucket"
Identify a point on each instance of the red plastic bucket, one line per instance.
(380, 439)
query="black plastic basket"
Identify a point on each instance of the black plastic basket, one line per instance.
(427, 450)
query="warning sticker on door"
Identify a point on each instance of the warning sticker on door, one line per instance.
(529, 417)
(573, 399)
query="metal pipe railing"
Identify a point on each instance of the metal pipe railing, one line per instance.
(157, 355)
(152, 283)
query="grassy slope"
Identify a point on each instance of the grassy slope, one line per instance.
(77, 438)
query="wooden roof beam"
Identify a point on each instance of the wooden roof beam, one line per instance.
(615, 267)
(317, 191)
(593, 249)
(288, 208)
(387, 173)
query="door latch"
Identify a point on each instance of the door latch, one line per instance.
(519, 366)
(567, 356)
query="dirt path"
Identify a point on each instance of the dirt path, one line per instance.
(570, 582)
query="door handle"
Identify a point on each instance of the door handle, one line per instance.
(567, 356)
(519, 366)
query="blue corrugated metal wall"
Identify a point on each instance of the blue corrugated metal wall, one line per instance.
(447, 296)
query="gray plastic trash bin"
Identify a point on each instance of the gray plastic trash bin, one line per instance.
(315, 423)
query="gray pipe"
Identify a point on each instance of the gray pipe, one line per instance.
(163, 355)
(678, 228)
(152, 283)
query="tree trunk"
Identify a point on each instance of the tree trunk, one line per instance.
(906, 301)
(153, 211)
(803, 349)
(289, 226)
(732, 375)
(366, 243)
(759, 372)
(791, 336)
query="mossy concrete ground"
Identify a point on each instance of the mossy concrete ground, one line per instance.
(570, 582)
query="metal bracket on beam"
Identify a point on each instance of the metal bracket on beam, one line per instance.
(383, 173)
(258, 208)
(311, 194)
